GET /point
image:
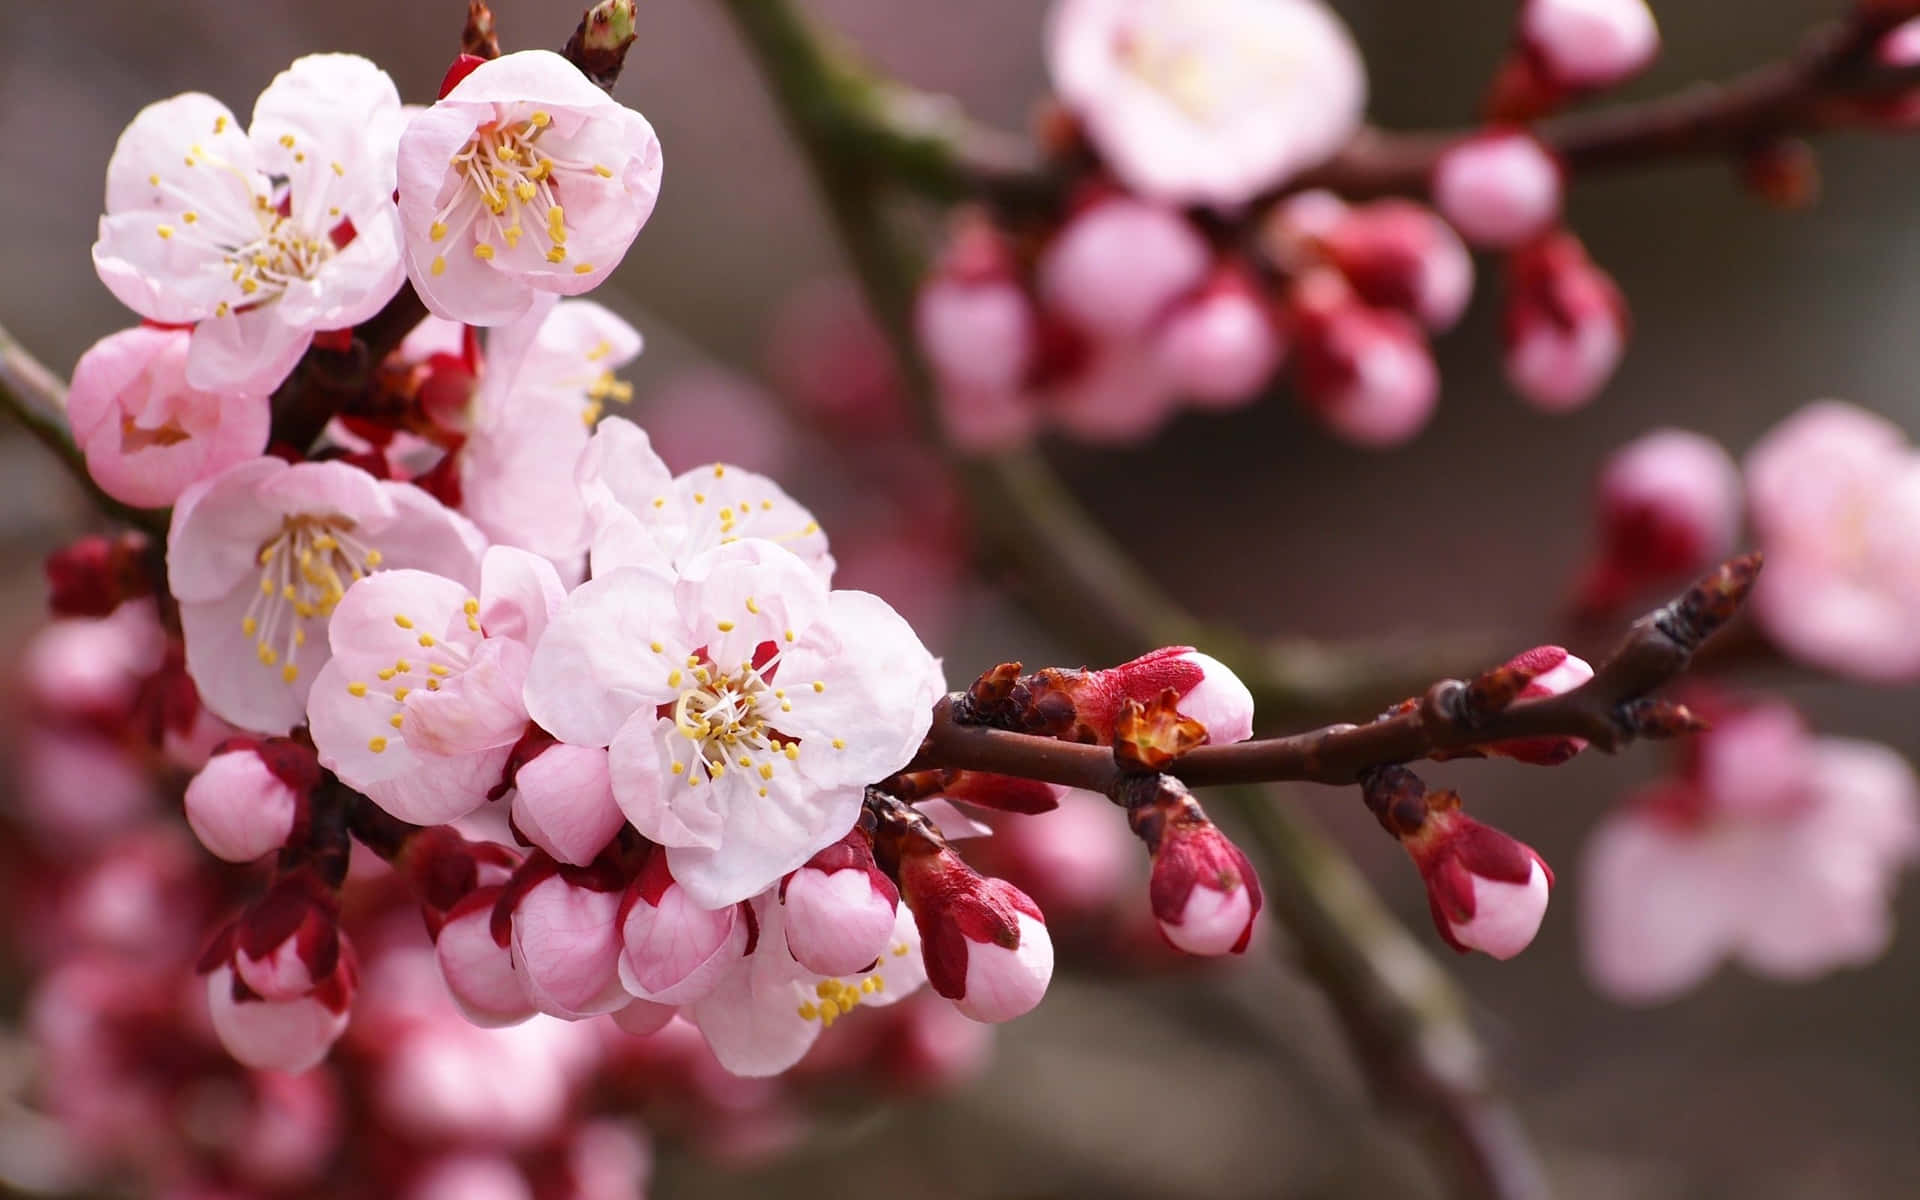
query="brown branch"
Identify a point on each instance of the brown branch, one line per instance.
(1609, 711)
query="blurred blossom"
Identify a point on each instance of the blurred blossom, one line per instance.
(1219, 346)
(1207, 101)
(1667, 504)
(1364, 372)
(1770, 846)
(1118, 264)
(1398, 254)
(1498, 188)
(706, 414)
(1833, 494)
(1565, 324)
(826, 353)
(1580, 44)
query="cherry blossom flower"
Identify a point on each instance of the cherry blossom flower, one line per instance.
(768, 1009)
(746, 706)
(1774, 848)
(1398, 254)
(639, 515)
(673, 951)
(146, 432)
(1668, 504)
(1498, 188)
(262, 552)
(524, 178)
(420, 705)
(1834, 498)
(1207, 101)
(257, 237)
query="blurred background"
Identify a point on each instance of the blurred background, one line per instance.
(1232, 1080)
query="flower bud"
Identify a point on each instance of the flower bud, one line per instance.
(281, 1035)
(1566, 325)
(839, 908)
(565, 942)
(93, 575)
(478, 971)
(1118, 264)
(1498, 188)
(1586, 44)
(973, 319)
(1085, 706)
(1204, 892)
(672, 951)
(1554, 671)
(286, 944)
(1366, 373)
(244, 802)
(1668, 504)
(1219, 347)
(563, 802)
(984, 941)
(1487, 891)
(1398, 254)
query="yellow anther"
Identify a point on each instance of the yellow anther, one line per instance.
(338, 169)
(556, 255)
(438, 266)
(268, 655)
(189, 216)
(556, 223)
(437, 669)
(788, 635)
(673, 679)
(838, 744)
(679, 769)
(376, 744)
(808, 1012)
(165, 231)
(222, 309)
(396, 720)
(724, 626)
(289, 673)
(155, 179)
(427, 641)
(699, 498)
(512, 234)
(583, 269)
(656, 647)
(483, 252)
(386, 673)
(603, 171)
(402, 665)
(539, 118)
(286, 139)
(436, 231)
(766, 770)
(248, 625)
(219, 125)
(403, 621)
(791, 750)
(373, 558)
(818, 686)
(356, 689)
(401, 693)
(716, 770)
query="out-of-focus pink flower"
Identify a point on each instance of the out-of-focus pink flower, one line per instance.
(89, 669)
(242, 804)
(839, 908)
(78, 789)
(260, 553)
(1554, 671)
(420, 705)
(974, 320)
(1118, 264)
(524, 178)
(1582, 44)
(1565, 324)
(1834, 497)
(1207, 103)
(706, 414)
(827, 352)
(147, 433)
(1668, 504)
(1075, 861)
(608, 1159)
(1498, 189)
(1219, 346)
(1365, 373)
(281, 1035)
(1398, 254)
(470, 1175)
(259, 237)
(1774, 848)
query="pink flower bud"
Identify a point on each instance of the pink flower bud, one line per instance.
(1118, 264)
(1204, 891)
(984, 941)
(566, 945)
(563, 802)
(987, 422)
(1207, 690)
(1583, 44)
(672, 950)
(839, 908)
(973, 319)
(1364, 372)
(285, 945)
(1668, 504)
(1219, 347)
(1498, 189)
(93, 575)
(1555, 671)
(243, 803)
(1488, 892)
(1566, 325)
(478, 971)
(470, 1175)
(281, 1035)
(1398, 254)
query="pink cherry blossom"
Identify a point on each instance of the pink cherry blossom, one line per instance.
(146, 432)
(258, 237)
(470, 1175)
(641, 516)
(260, 554)
(242, 804)
(1589, 43)
(839, 908)
(1207, 103)
(1834, 498)
(1365, 373)
(1668, 504)
(746, 707)
(1116, 396)
(1118, 264)
(524, 178)
(1498, 188)
(420, 705)
(672, 951)
(1220, 346)
(563, 802)
(1776, 849)
(974, 320)
(767, 1010)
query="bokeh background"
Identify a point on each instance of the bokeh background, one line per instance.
(1232, 1083)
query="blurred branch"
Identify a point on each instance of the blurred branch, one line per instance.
(1450, 719)
(35, 396)
(1403, 1016)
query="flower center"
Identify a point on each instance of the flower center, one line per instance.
(304, 571)
(722, 718)
(512, 191)
(438, 660)
(1209, 74)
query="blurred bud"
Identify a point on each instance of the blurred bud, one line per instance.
(974, 321)
(984, 941)
(1565, 325)
(286, 944)
(563, 802)
(1219, 347)
(478, 971)
(1398, 254)
(564, 937)
(1366, 373)
(1667, 503)
(1119, 264)
(1586, 44)
(281, 1035)
(671, 950)
(1498, 188)
(1204, 892)
(470, 1175)
(1783, 172)
(840, 908)
(244, 802)
(1292, 233)
(92, 576)
(1552, 671)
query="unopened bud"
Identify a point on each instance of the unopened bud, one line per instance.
(1204, 892)
(286, 944)
(985, 941)
(1552, 671)
(1667, 503)
(1084, 705)
(1365, 372)
(1487, 891)
(839, 908)
(1565, 327)
(1398, 254)
(1119, 264)
(564, 936)
(94, 575)
(563, 802)
(599, 45)
(973, 319)
(281, 1035)
(1586, 44)
(245, 800)
(1498, 189)
(478, 971)
(1219, 347)
(672, 950)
